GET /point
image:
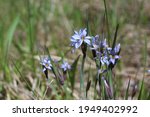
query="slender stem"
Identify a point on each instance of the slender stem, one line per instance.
(141, 92)
(107, 23)
(81, 77)
(95, 91)
(110, 80)
(30, 32)
(47, 89)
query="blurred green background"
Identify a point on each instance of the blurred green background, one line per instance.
(27, 26)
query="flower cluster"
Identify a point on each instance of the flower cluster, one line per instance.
(107, 56)
(46, 62)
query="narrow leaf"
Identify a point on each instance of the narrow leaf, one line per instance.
(115, 37)
(88, 87)
(9, 35)
(141, 90)
(72, 73)
(107, 23)
(127, 90)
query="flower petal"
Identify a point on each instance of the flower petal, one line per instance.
(75, 37)
(78, 44)
(84, 32)
(88, 37)
(87, 41)
(112, 61)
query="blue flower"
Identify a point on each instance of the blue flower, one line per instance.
(46, 63)
(113, 59)
(98, 44)
(65, 66)
(105, 54)
(103, 58)
(114, 54)
(103, 44)
(79, 37)
(95, 42)
(116, 49)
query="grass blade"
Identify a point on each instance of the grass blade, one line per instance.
(82, 77)
(72, 73)
(141, 94)
(115, 37)
(88, 87)
(141, 90)
(110, 82)
(107, 23)
(9, 35)
(127, 90)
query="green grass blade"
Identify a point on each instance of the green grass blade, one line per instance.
(95, 85)
(110, 82)
(127, 90)
(107, 23)
(88, 87)
(72, 73)
(141, 94)
(148, 97)
(1, 37)
(115, 37)
(87, 24)
(9, 35)
(141, 90)
(82, 91)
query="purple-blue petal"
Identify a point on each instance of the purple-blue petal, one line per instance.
(76, 37)
(112, 61)
(87, 41)
(83, 32)
(117, 56)
(78, 44)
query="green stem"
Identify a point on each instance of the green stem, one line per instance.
(110, 80)
(30, 32)
(81, 78)
(107, 23)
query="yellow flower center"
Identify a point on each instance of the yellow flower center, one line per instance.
(46, 64)
(83, 38)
